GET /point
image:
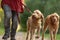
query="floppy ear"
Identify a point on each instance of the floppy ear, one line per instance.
(42, 19)
(57, 18)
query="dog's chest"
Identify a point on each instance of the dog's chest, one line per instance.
(35, 24)
(53, 27)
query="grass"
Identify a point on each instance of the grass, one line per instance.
(1, 22)
(48, 36)
(58, 36)
(1, 28)
(1, 31)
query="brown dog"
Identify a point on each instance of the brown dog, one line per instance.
(52, 23)
(34, 22)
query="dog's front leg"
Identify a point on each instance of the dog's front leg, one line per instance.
(38, 32)
(51, 35)
(32, 34)
(54, 35)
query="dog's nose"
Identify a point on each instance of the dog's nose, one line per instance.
(33, 15)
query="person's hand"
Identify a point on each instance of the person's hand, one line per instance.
(24, 6)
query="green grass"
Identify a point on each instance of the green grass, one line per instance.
(1, 28)
(1, 22)
(1, 31)
(48, 36)
(58, 36)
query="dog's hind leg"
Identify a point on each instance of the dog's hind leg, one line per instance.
(27, 35)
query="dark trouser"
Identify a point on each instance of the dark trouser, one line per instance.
(8, 13)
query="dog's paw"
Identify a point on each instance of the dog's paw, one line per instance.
(37, 37)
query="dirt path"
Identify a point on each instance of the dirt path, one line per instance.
(20, 36)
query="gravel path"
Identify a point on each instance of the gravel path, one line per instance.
(20, 36)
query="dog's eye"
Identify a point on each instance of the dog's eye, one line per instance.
(41, 17)
(56, 16)
(37, 13)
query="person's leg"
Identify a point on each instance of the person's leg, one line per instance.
(7, 16)
(14, 25)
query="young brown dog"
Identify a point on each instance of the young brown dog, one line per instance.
(34, 22)
(52, 23)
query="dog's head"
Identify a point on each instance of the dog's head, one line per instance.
(37, 15)
(54, 18)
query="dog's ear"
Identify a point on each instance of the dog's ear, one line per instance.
(57, 18)
(42, 19)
